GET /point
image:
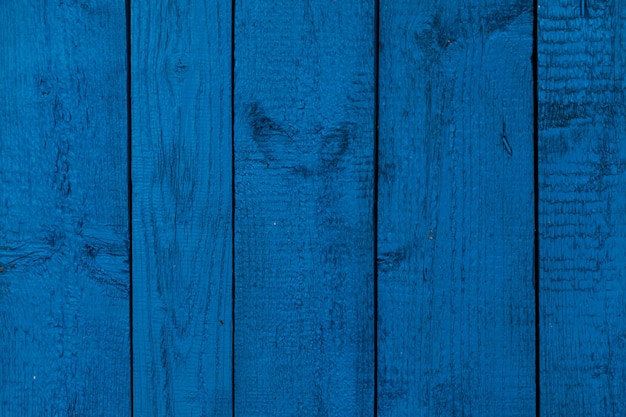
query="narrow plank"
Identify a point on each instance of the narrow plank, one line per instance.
(64, 275)
(304, 175)
(455, 250)
(182, 210)
(582, 167)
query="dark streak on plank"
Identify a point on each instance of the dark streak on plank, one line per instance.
(64, 280)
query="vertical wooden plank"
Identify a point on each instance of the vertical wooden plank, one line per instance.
(455, 254)
(64, 278)
(182, 210)
(304, 151)
(582, 167)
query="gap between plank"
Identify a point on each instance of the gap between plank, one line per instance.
(536, 253)
(232, 194)
(130, 202)
(375, 208)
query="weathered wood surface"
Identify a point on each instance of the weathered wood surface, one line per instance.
(181, 208)
(582, 168)
(456, 318)
(304, 176)
(455, 228)
(64, 274)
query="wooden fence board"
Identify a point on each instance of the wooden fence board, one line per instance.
(582, 194)
(304, 175)
(455, 250)
(64, 274)
(181, 214)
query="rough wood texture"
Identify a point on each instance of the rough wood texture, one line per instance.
(455, 254)
(582, 167)
(304, 175)
(182, 237)
(64, 278)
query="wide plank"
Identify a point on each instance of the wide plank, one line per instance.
(181, 207)
(582, 207)
(455, 217)
(64, 248)
(304, 181)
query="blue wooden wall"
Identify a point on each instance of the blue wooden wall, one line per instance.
(312, 208)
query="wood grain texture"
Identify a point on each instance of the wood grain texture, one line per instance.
(582, 167)
(304, 175)
(455, 250)
(64, 276)
(182, 207)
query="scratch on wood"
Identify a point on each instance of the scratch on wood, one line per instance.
(583, 8)
(505, 141)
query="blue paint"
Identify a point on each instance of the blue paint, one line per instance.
(449, 217)
(304, 175)
(64, 274)
(455, 223)
(582, 167)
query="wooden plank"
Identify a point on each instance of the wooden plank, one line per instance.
(582, 167)
(304, 175)
(64, 275)
(182, 210)
(455, 251)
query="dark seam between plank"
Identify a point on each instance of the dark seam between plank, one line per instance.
(130, 200)
(536, 253)
(232, 194)
(375, 199)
